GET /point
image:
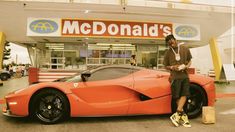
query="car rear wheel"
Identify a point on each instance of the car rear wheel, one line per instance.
(195, 101)
(49, 106)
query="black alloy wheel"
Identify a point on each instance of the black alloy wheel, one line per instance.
(50, 106)
(195, 101)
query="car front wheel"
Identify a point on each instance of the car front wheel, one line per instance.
(49, 106)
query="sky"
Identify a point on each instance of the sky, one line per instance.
(19, 55)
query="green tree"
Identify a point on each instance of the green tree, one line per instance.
(6, 51)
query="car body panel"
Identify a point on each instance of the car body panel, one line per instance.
(112, 97)
(161, 105)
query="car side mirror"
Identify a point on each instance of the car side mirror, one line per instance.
(85, 76)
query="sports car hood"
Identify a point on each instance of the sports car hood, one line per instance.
(63, 86)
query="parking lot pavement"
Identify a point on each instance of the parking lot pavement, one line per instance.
(13, 84)
(225, 87)
(225, 115)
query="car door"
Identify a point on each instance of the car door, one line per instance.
(152, 83)
(107, 92)
(154, 93)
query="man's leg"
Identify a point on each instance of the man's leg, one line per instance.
(183, 116)
(175, 87)
(175, 118)
(180, 103)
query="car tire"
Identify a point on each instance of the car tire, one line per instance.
(49, 106)
(195, 102)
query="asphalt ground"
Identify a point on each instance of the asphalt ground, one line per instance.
(225, 117)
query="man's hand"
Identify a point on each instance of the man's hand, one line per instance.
(174, 67)
(182, 67)
(178, 67)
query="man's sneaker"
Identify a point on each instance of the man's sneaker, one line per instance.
(185, 122)
(175, 119)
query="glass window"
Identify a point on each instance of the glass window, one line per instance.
(106, 53)
(109, 54)
(56, 53)
(106, 60)
(70, 59)
(57, 60)
(128, 54)
(110, 73)
(93, 60)
(93, 53)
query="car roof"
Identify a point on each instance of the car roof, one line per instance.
(117, 66)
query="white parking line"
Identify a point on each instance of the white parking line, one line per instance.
(231, 111)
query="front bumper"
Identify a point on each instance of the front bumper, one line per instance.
(6, 109)
(210, 90)
(7, 112)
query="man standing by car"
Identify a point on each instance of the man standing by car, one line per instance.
(177, 59)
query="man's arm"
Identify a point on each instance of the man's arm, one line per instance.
(168, 67)
(189, 58)
(189, 64)
(173, 68)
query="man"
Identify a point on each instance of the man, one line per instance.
(177, 59)
(133, 60)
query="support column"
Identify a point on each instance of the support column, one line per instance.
(216, 58)
(2, 45)
(31, 55)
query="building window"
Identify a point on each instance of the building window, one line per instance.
(109, 54)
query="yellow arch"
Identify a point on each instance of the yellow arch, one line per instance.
(2, 45)
(216, 58)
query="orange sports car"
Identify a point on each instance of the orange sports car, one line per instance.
(107, 91)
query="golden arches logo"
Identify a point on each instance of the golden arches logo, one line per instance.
(43, 26)
(186, 31)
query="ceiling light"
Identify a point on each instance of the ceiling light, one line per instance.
(55, 46)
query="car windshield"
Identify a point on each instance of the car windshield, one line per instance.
(73, 78)
(101, 73)
(76, 77)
